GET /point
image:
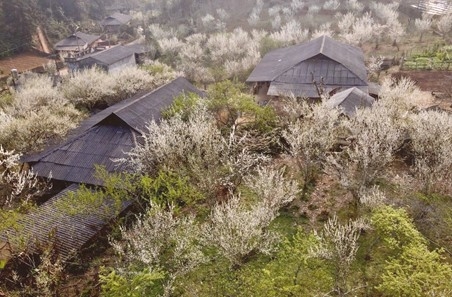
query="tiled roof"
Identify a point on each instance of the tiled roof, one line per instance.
(70, 231)
(109, 56)
(349, 100)
(77, 39)
(322, 57)
(106, 136)
(116, 19)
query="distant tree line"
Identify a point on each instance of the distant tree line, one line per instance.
(18, 20)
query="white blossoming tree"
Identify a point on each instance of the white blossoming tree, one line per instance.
(338, 243)
(373, 139)
(159, 241)
(311, 137)
(430, 134)
(237, 229)
(17, 185)
(423, 25)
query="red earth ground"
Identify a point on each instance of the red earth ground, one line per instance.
(22, 62)
(439, 83)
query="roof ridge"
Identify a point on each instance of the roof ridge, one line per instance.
(141, 97)
(348, 48)
(323, 44)
(304, 44)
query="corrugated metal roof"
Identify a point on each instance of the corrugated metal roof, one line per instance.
(324, 49)
(349, 100)
(70, 231)
(77, 39)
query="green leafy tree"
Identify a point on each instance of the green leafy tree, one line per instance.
(290, 273)
(183, 104)
(417, 272)
(17, 20)
(169, 188)
(234, 107)
(408, 268)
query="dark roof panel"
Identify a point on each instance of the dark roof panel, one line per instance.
(96, 146)
(139, 110)
(71, 231)
(307, 90)
(320, 69)
(107, 57)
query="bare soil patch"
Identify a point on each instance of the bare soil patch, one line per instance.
(439, 83)
(432, 81)
(22, 62)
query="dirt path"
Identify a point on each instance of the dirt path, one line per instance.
(45, 47)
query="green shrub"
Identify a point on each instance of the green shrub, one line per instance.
(169, 188)
(183, 105)
(228, 98)
(133, 284)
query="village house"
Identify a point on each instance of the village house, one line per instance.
(114, 22)
(113, 59)
(110, 60)
(307, 70)
(76, 45)
(98, 141)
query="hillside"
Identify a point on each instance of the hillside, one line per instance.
(311, 156)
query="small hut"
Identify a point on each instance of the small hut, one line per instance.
(114, 22)
(350, 100)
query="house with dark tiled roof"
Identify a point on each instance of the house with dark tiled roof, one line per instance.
(110, 60)
(302, 70)
(98, 141)
(114, 22)
(76, 44)
(106, 136)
